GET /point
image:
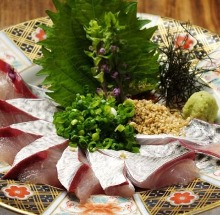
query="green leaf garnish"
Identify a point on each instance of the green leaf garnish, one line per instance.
(88, 35)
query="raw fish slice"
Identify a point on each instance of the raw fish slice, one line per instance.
(71, 175)
(145, 171)
(10, 115)
(89, 185)
(36, 162)
(197, 132)
(12, 141)
(212, 150)
(39, 108)
(204, 132)
(24, 110)
(77, 177)
(177, 171)
(111, 174)
(160, 151)
(205, 136)
(16, 136)
(11, 84)
(37, 127)
(162, 139)
(126, 190)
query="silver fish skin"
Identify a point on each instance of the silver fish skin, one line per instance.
(68, 166)
(197, 131)
(37, 127)
(140, 167)
(202, 131)
(38, 145)
(40, 108)
(161, 151)
(109, 170)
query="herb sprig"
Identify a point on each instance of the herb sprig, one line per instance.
(98, 47)
(75, 30)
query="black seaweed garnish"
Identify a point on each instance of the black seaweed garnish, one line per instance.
(179, 76)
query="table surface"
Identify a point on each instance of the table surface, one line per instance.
(204, 13)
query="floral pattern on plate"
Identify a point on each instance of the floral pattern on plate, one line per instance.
(98, 205)
(195, 197)
(16, 191)
(11, 54)
(185, 41)
(182, 198)
(38, 35)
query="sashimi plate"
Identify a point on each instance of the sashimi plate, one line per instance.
(202, 196)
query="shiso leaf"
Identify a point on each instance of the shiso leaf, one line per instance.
(64, 61)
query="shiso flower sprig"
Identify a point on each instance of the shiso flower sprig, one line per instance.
(98, 44)
(98, 47)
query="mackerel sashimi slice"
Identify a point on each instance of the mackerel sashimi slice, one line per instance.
(37, 127)
(158, 171)
(17, 136)
(11, 84)
(23, 110)
(12, 141)
(36, 162)
(206, 136)
(76, 175)
(110, 170)
(199, 136)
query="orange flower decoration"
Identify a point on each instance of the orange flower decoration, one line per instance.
(17, 192)
(185, 41)
(38, 35)
(182, 198)
(98, 208)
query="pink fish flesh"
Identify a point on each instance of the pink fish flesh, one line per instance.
(10, 115)
(111, 174)
(23, 110)
(36, 162)
(11, 84)
(78, 177)
(13, 138)
(142, 170)
(12, 141)
(39, 108)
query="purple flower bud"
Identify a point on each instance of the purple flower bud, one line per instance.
(114, 75)
(114, 48)
(105, 68)
(116, 92)
(101, 51)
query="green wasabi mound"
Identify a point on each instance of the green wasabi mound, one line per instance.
(201, 105)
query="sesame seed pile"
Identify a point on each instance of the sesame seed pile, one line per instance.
(154, 118)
